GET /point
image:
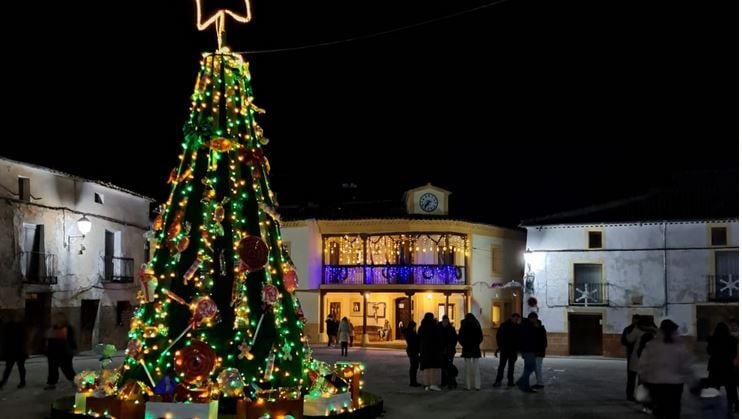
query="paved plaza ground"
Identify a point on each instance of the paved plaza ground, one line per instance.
(576, 388)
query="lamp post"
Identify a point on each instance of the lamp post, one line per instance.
(83, 226)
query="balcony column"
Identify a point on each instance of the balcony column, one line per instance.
(321, 315)
(364, 237)
(466, 302)
(445, 310)
(409, 295)
(364, 338)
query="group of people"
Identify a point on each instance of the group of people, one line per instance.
(527, 338)
(659, 364)
(60, 347)
(339, 332)
(432, 347)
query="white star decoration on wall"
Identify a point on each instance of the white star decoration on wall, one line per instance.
(585, 294)
(730, 285)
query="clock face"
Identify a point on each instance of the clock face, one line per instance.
(428, 202)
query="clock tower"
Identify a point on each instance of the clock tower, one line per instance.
(427, 200)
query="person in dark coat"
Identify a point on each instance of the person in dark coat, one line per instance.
(507, 347)
(630, 375)
(448, 370)
(413, 351)
(431, 351)
(722, 349)
(528, 345)
(470, 337)
(61, 346)
(541, 345)
(332, 330)
(15, 349)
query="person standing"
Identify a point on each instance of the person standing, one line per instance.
(527, 344)
(541, 344)
(61, 346)
(664, 365)
(722, 349)
(413, 351)
(431, 351)
(630, 375)
(470, 337)
(507, 347)
(344, 336)
(448, 333)
(331, 330)
(15, 349)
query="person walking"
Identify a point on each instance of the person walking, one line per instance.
(413, 351)
(470, 337)
(528, 346)
(638, 338)
(507, 347)
(61, 346)
(431, 351)
(630, 375)
(448, 372)
(344, 336)
(15, 349)
(722, 349)
(664, 365)
(541, 344)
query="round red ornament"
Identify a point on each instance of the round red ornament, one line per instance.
(194, 363)
(253, 253)
(204, 310)
(270, 294)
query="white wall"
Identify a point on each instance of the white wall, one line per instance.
(633, 260)
(58, 201)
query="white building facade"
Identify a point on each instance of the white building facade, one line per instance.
(47, 265)
(388, 271)
(589, 279)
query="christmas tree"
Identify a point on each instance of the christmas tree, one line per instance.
(218, 304)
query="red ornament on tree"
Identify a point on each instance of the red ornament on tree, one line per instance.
(194, 363)
(290, 280)
(253, 253)
(205, 310)
(270, 294)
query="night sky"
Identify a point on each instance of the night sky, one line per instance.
(520, 109)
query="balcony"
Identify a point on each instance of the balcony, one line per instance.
(723, 287)
(38, 268)
(588, 294)
(394, 275)
(118, 269)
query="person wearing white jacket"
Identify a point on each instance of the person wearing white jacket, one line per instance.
(665, 365)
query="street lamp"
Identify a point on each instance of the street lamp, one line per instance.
(83, 226)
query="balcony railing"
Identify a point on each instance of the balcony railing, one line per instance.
(588, 294)
(38, 268)
(394, 275)
(118, 269)
(723, 287)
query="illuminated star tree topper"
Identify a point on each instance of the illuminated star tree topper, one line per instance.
(218, 19)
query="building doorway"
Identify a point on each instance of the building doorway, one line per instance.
(88, 315)
(402, 315)
(585, 334)
(38, 319)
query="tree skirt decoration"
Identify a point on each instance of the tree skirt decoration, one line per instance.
(182, 410)
(253, 253)
(195, 362)
(230, 382)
